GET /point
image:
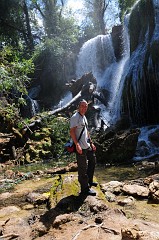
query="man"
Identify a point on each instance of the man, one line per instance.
(85, 149)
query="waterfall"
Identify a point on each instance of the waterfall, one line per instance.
(140, 70)
(97, 56)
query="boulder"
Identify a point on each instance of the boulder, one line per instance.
(136, 190)
(116, 146)
(154, 191)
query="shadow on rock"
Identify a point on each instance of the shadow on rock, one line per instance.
(66, 205)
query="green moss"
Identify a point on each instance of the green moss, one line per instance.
(63, 186)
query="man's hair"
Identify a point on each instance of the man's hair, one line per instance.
(83, 100)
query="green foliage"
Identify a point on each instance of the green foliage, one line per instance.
(13, 72)
(59, 132)
(15, 23)
(52, 58)
(125, 7)
(14, 80)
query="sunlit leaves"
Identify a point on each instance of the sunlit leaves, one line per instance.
(14, 71)
(14, 80)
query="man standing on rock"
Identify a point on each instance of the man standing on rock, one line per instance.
(85, 149)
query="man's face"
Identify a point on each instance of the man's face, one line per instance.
(83, 108)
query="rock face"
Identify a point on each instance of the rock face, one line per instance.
(117, 146)
(140, 95)
(87, 84)
(117, 41)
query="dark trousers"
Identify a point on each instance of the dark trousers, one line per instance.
(86, 165)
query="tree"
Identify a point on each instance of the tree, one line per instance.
(14, 80)
(102, 14)
(15, 24)
(52, 45)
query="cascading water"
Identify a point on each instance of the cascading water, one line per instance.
(111, 75)
(97, 56)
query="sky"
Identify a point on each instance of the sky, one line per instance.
(77, 7)
(75, 4)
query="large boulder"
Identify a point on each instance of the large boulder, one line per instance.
(116, 146)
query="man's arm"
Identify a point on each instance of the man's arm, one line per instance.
(73, 136)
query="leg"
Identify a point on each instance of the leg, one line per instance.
(82, 170)
(91, 165)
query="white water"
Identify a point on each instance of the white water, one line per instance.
(146, 148)
(95, 56)
(108, 72)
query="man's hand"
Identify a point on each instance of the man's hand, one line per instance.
(78, 148)
(93, 147)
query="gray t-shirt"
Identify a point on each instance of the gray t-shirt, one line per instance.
(79, 122)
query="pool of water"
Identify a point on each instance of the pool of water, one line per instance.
(120, 173)
(103, 173)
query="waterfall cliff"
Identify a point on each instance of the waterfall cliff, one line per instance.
(140, 96)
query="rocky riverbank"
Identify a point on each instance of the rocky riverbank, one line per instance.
(47, 205)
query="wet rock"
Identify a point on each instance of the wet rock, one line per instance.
(117, 41)
(154, 138)
(117, 147)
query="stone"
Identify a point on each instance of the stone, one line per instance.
(136, 190)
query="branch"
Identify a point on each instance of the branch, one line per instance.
(85, 228)
(10, 236)
(108, 230)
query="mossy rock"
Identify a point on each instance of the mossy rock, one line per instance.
(63, 186)
(44, 154)
(46, 143)
(64, 193)
(39, 135)
(141, 19)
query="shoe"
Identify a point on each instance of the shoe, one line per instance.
(93, 184)
(89, 192)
